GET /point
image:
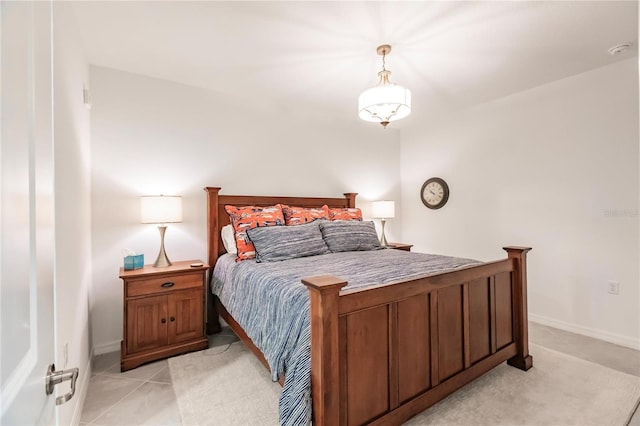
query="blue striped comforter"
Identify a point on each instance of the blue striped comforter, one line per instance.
(272, 305)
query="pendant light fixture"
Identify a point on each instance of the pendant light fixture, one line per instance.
(386, 101)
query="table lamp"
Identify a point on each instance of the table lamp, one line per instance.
(161, 209)
(383, 210)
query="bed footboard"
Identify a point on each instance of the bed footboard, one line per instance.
(383, 354)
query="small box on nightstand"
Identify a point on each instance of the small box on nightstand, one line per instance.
(133, 262)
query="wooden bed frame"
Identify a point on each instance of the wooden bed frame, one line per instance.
(382, 354)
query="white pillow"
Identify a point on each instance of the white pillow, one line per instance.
(229, 239)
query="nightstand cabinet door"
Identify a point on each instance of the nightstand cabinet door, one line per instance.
(146, 323)
(185, 315)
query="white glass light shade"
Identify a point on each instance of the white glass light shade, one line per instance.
(160, 209)
(384, 103)
(383, 209)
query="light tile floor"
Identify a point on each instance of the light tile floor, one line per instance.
(144, 395)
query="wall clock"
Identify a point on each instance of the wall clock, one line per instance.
(434, 193)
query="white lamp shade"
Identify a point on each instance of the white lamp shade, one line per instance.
(384, 103)
(160, 209)
(383, 209)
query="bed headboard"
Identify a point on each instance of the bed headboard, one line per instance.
(217, 217)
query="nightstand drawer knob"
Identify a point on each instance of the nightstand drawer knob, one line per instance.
(163, 320)
(167, 285)
(172, 319)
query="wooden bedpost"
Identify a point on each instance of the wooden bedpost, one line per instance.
(351, 198)
(213, 239)
(325, 373)
(522, 360)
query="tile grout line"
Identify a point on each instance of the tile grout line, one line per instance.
(175, 395)
(130, 379)
(120, 400)
(117, 377)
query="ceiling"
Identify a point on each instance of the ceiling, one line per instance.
(314, 58)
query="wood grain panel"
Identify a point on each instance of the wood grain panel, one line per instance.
(450, 333)
(147, 323)
(344, 381)
(492, 313)
(479, 320)
(504, 311)
(465, 325)
(394, 357)
(367, 365)
(185, 315)
(414, 339)
(433, 318)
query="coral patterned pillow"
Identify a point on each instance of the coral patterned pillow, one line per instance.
(345, 214)
(245, 218)
(300, 215)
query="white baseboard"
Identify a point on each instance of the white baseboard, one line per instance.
(105, 348)
(625, 341)
(83, 388)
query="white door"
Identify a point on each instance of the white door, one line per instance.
(26, 214)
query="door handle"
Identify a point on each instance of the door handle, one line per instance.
(55, 377)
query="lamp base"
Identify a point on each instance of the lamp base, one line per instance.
(383, 238)
(162, 261)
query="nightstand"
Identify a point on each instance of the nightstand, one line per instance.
(400, 246)
(164, 312)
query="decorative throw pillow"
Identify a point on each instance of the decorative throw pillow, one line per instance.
(349, 235)
(275, 243)
(345, 214)
(300, 215)
(245, 218)
(229, 239)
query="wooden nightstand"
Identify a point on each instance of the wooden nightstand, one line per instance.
(400, 246)
(164, 312)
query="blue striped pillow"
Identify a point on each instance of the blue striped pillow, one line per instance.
(275, 243)
(350, 235)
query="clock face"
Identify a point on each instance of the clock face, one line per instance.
(434, 193)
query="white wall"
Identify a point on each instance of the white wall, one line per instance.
(151, 136)
(554, 168)
(72, 207)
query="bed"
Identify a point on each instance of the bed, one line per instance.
(380, 354)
